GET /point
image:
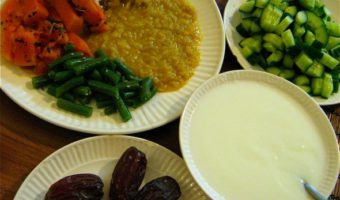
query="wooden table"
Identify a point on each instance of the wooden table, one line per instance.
(26, 140)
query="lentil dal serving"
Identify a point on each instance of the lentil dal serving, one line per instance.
(156, 38)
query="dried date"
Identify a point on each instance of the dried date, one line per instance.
(162, 188)
(128, 175)
(76, 187)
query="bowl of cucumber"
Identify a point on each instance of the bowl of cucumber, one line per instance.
(296, 40)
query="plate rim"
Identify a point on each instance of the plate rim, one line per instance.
(133, 129)
(88, 140)
(247, 66)
(183, 143)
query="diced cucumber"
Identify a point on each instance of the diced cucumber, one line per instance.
(329, 61)
(284, 24)
(247, 6)
(287, 74)
(332, 42)
(327, 14)
(254, 43)
(335, 51)
(261, 3)
(249, 54)
(317, 86)
(288, 62)
(318, 4)
(274, 70)
(274, 58)
(291, 10)
(308, 4)
(257, 12)
(309, 38)
(321, 35)
(336, 80)
(248, 27)
(281, 4)
(313, 21)
(303, 61)
(288, 38)
(299, 31)
(274, 40)
(327, 86)
(301, 80)
(270, 18)
(269, 47)
(306, 88)
(315, 70)
(301, 17)
(333, 28)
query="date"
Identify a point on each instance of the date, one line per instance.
(162, 188)
(128, 175)
(76, 187)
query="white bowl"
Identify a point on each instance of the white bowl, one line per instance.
(232, 18)
(285, 105)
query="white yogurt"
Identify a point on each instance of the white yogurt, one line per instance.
(251, 141)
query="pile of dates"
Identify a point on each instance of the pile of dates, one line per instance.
(126, 179)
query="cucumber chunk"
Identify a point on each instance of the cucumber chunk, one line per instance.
(317, 86)
(284, 24)
(329, 61)
(270, 18)
(303, 61)
(274, 40)
(315, 70)
(287, 74)
(301, 18)
(308, 4)
(327, 86)
(301, 80)
(273, 70)
(261, 3)
(288, 62)
(269, 47)
(309, 38)
(254, 43)
(291, 10)
(247, 6)
(333, 28)
(332, 42)
(274, 58)
(288, 38)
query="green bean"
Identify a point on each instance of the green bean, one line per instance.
(123, 68)
(82, 91)
(110, 110)
(87, 66)
(104, 103)
(110, 75)
(51, 74)
(70, 84)
(64, 58)
(104, 88)
(40, 81)
(128, 86)
(100, 53)
(95, 75)
(63, 75)
(145, 91)
(69, 48)
(51, 89)
(73, 62)
(112, 65)
(68, 96)
(123, 109)
(74, 107)
(128, 95)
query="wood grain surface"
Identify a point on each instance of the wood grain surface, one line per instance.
(26, 140)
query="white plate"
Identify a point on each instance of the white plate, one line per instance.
(162, 109)
(99, 155)
(232, 18)
(298, 97)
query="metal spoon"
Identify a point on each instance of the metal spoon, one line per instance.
(313, 191)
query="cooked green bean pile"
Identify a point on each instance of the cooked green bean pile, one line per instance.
(76, 80)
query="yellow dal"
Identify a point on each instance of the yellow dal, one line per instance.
(157, 38)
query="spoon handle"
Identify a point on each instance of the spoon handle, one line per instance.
(313, 191)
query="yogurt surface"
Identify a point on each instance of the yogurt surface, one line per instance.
(253, 141)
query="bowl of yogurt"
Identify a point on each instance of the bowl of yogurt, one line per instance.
(252, 135)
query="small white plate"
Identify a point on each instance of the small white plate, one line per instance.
(163, 108)
(288, 94)
(232, 18)
(99, 155)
